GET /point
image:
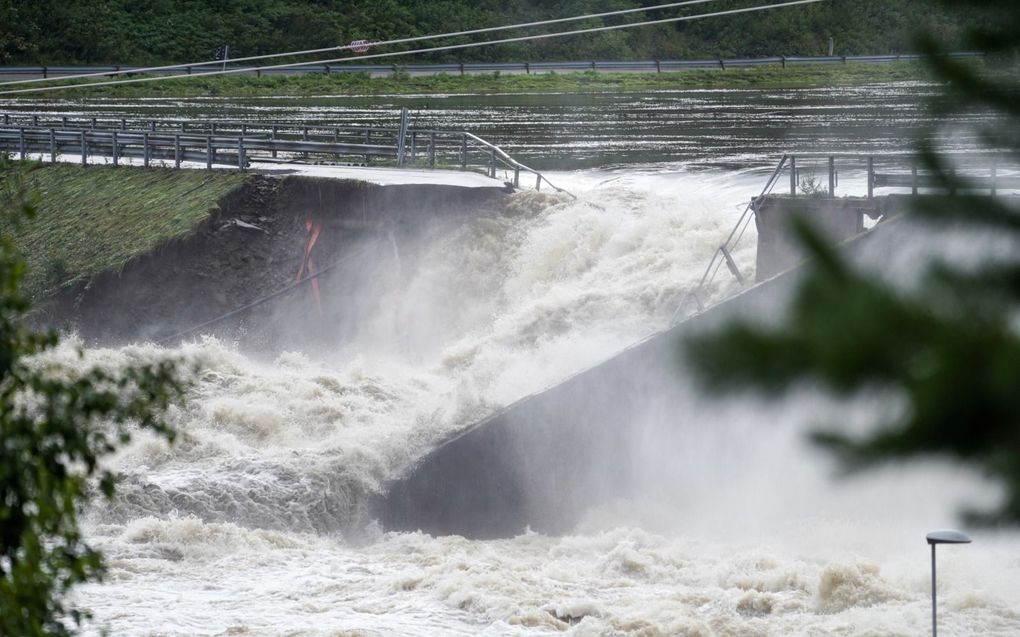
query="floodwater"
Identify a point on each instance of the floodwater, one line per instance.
(252, 525)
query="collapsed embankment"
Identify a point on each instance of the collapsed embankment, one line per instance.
(233, 240)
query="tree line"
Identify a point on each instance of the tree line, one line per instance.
(51, 32)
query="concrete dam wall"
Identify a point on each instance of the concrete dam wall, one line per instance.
(611, 432)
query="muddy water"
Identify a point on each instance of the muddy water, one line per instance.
(252, 525)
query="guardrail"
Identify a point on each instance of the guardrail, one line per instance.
(467, 68)
(972, 171)
(241, 143)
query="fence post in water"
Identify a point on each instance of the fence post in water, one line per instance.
(208, 153)
(432, 150)
(463, 151)
(145, 149)
(871, 177)
(113, 144)
(84, 149)
(832, 176)
(177, 150)
(793, 176)
(53, 147)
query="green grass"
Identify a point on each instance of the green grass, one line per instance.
(97, 218)
(362, 84)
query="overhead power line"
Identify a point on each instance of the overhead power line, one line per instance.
(350, 47)
(435, 49)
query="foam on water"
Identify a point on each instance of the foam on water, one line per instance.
(250, 524)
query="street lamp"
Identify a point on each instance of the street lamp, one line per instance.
(943, 536)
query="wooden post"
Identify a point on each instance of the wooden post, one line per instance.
(832, 176)
(208, 153)
(84, 150)
(145, 149)
(113, 144)
(793, 176)
(177, 150)
(871, 177)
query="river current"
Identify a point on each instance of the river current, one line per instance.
(251, 524)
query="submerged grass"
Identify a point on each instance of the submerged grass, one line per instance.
(589, 81)
(97, 218)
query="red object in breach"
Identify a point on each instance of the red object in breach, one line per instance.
(314, 227)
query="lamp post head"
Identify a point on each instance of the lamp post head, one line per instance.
(947, 536)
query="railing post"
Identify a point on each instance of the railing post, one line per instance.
(93, 123)
(63, 121)
(538, 183)
(414, 147)
(145, 149)
(21, 141)
(492, 163)
(177, 150)
(401, 136)
(832, 176)
(152, 125)
(994, 175)
(208, 153)
(793, 176)
(273, 138)
(123, 123)
(463, 151)
(517, 176)
(113, 145)
(913, 176)
(84, 150)
(241, 163)
(432, 150)
(871, 177)
(35, 121)
(53, 147)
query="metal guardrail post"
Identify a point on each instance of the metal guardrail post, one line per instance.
(517, 177)
(177, 150)
(871, 177)
(93, 123)
(832, 176)
(432, 150)
(113, 144)
(492, 163)
(208, 153)
(35, 121)
(538, 183)
(241, 163)
(414, 147)
(152, 125)
(913, 176)
(401, 136)
(145, 149)
(84, 150)
(793, 176)
(53, 147)
(994, 175)
(273, 138)
(463, 151)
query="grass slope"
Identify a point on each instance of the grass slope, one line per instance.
(362, 84)
(97, 218)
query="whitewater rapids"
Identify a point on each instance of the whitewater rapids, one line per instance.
(252, 523)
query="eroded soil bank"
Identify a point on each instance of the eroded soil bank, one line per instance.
(254, 244)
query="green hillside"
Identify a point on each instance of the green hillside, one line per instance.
(168, 31)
